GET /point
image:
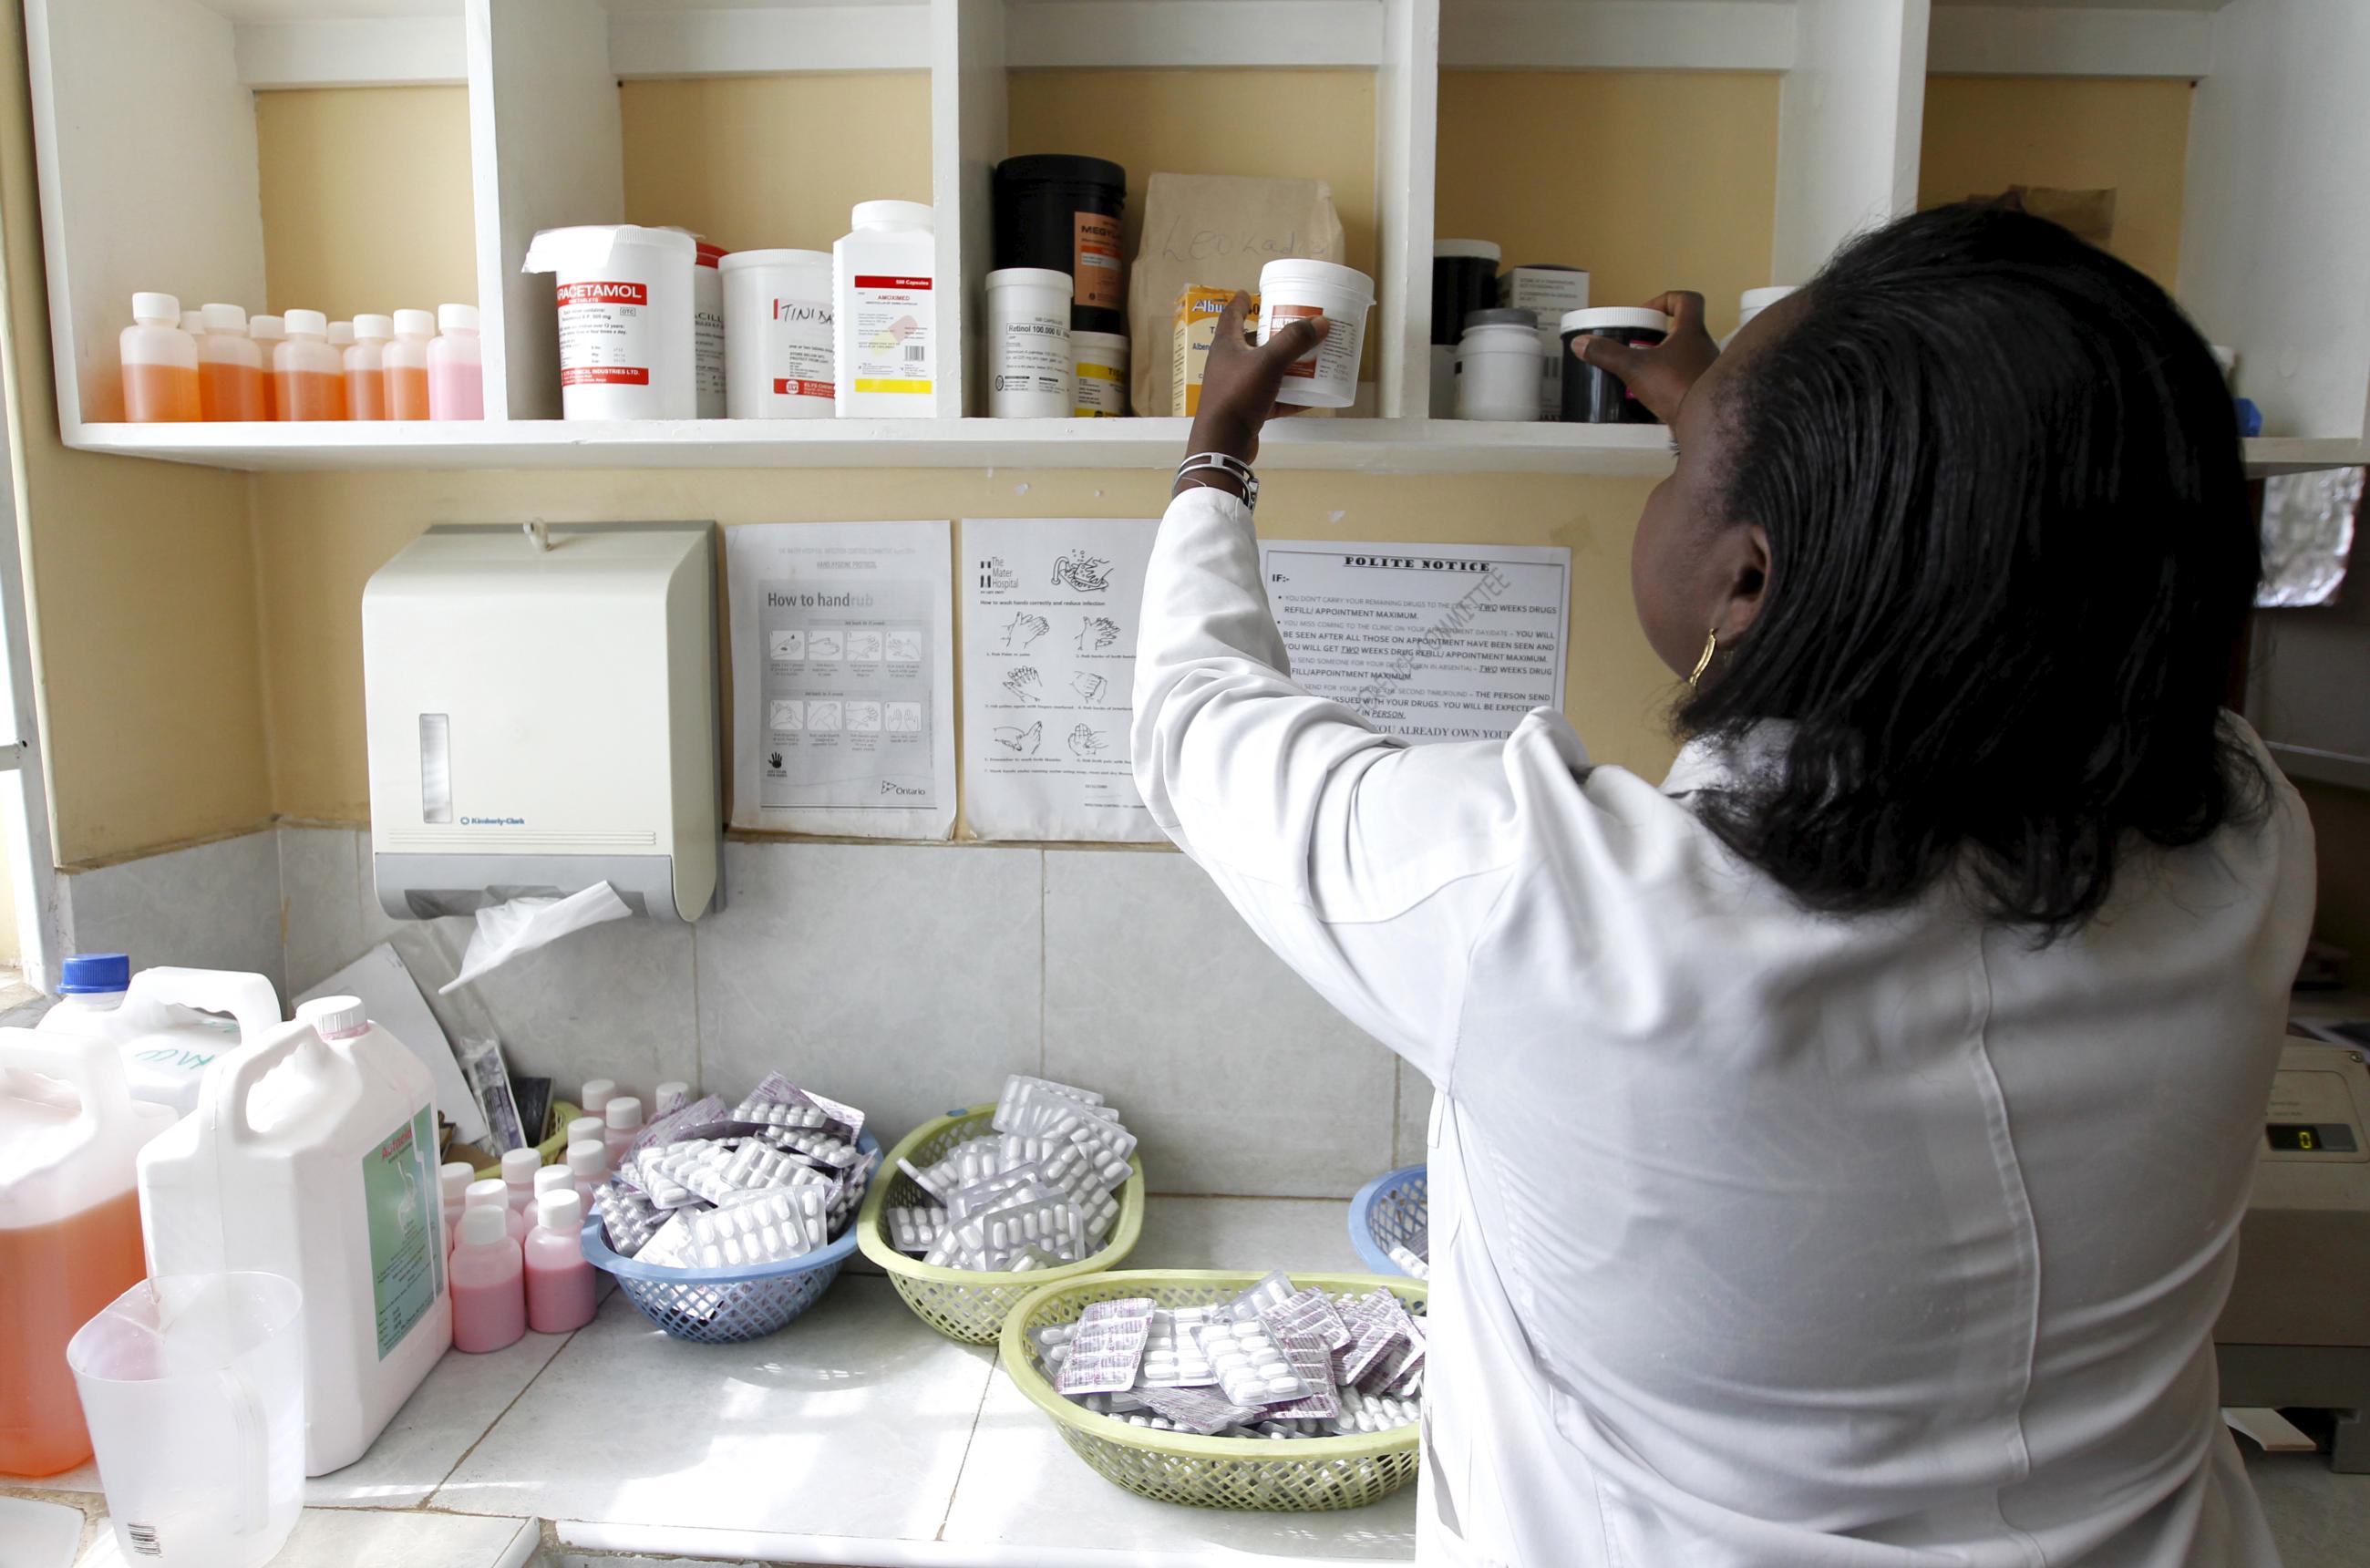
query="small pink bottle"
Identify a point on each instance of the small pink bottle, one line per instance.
(588, 1167)
(488, 1284)
(597, 1094)
(559, 1280)
(623, 1116)
(491, 1194)
(519, 1167)
(550, 1179)
(456, 371)
(455, 1179)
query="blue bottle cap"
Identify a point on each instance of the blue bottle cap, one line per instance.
(95, 973)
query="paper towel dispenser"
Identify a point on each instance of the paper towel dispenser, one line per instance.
(543, 715)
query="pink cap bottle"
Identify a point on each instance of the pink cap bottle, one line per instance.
(624, 1115)
(489, 1278)
(558, 1281)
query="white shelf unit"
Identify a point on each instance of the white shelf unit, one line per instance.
(2276, 241)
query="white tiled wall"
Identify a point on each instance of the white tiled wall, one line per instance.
(904, 978)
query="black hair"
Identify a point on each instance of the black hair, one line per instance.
(2011, 558)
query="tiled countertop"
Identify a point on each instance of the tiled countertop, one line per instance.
(856, 1436)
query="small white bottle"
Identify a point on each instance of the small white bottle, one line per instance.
(193, 322)
(489, 1287)
(623, 1116)
(550, 1179)
(230, 369)
(592, 1128)
(588, 1167)
(160, 363)
(494, 1194)
(341, 338)
(366, 367)
(405, 360)
(453, 1181)
(884, 313)
(268, 332)
(670, 1096)
(457, 371)
(311, 376)
(519, 1167)
(597, 1094)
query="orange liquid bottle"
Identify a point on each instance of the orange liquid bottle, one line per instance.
(341, 338)
(366, 368)
(268, 332)
(230, 368)
(312, 380)
(53, 1279)
(160, 363)
(407, 366)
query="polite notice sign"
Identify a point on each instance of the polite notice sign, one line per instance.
(1429, 642)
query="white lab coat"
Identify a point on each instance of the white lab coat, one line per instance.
(1758, 1236)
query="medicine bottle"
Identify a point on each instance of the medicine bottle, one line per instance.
(559, 1296)
(884, 313)
(1591, 396)
(1498, 367)
(366, 367)
(457, 371)
(1464, 280)
(268, 332)
(230, 368)
(1030, 374)
(1061, 212)
(624, 1117)
(406, 362)
(488, 1284)
(160, 363)
(311, 378)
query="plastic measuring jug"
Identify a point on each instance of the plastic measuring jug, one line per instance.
(194, 1388)
(159, 1020)
(70, 1135)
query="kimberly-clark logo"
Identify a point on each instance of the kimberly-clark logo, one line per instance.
(493, 822)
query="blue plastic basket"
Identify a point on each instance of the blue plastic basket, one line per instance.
(727, 1306)
(1392, 1210)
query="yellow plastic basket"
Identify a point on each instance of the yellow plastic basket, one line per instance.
(960, 1303)
(1260, 1473)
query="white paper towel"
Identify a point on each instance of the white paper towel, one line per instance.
(506, 930)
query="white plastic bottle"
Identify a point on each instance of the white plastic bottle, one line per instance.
(312, 377)
(268, 332)
(597, 1094)
(366, 367)
(623, 1116)
(884, 313)
(559, 1284)
(166, 1024)
(519, 1167)
(493, 1193)
(456, 371)
(489, 1285)
(160, 367)
(405, 360)
(341, 338)
(452, 1180)
(588, 1167)
(70, 1135)
(312, 1155)
(230, 368)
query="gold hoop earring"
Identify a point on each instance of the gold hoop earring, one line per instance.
(1711, 646)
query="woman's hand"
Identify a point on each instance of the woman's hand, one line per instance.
(1660, 376)
(1239, 383)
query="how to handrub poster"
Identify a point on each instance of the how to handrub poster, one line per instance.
(843, 678)
(1050, 611)
(1428, 642)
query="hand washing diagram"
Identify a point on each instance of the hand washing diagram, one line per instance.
(1048, 626)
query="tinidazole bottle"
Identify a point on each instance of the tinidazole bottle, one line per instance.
(885, 313)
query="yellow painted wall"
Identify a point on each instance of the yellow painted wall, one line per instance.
(1984, 134)
(366, 199)
(1650, 179)
(761, 162)
(1291, 124)
(141, 582)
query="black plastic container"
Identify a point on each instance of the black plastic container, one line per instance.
(1464, 280)
(1596, 396)
(1061, 211)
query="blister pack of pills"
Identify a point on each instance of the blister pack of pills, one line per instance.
(912, 1226)
(1311, 1360)
(1061, 1184)
(1252, 1367)
(628, 1218)
(778, 1103)
(1196, 1410)
(1173, 1357)
(1308, 1311)
(1413, 1263)
(824, 1149)
(788, 1222)
(1106, 1347)
(1029, 1105)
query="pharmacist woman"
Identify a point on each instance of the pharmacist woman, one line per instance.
(1840, 1149)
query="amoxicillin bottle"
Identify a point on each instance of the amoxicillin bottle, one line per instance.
(885, 320)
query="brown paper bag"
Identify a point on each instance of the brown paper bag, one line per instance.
(1219, 230)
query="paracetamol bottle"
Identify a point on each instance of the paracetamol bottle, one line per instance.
(406, 362)
(268, 332)
(311, 378)
(885, 333)
(230, 367)
(366, 367)
(160, 363)
(456, 374)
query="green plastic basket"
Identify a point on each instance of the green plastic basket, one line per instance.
(960, 1303)
(554, 1148)
(1259, 1473)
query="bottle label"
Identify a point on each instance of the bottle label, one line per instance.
(799, 336)
(1281, 316)
(402, 1214)
(1033, 353)
(1095, 267)
(603, 334)
(893, 337)
(1102, 390)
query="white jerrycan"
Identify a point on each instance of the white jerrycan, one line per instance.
(312, 1154)
(159, 1020)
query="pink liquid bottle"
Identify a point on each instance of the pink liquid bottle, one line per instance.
(457, 371)
(488, 1284)
(588, 1167)
(559, 1280)
(490, 1194)
(454, 1180)
(519, 1167)
(623, 1116)
(597, 1094)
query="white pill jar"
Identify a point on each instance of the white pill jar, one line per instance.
(1753, 302)
(778, 334)
(1498, 367)
(1290, 289)
(624, 292)
(1100, 362)
(1029, 369)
